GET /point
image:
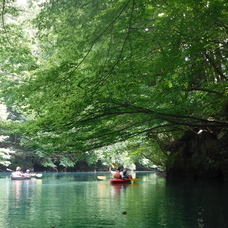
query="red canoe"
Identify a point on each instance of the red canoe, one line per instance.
(120, 181)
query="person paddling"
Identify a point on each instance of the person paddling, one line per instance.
(124, 174)
(116, 174)
(18, 169)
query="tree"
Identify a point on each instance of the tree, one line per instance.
(111, 71)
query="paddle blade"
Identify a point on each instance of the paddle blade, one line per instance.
(9, 170)
(115, 165)
(39, 175)
(101, 177)
(134, 179)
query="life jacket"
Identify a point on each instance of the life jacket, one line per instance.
(117, 175)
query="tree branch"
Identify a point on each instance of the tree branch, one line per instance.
(212, 63)
(205, 90)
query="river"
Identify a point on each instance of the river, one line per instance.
(65, 200)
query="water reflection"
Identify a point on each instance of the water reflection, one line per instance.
(102, 189)
(118, 189)
(22, 188)
(17, 189)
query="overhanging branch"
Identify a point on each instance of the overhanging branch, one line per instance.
(175, 119)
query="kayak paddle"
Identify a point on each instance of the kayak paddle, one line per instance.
(134, 179)
(115, 165)
(101, 177)
(9, 170)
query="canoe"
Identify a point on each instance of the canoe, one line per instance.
(24, 176)
(120, 181)
(20, 177)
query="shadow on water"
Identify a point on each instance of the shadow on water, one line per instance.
(205, 200)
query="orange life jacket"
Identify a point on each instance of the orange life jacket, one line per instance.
(117, 175)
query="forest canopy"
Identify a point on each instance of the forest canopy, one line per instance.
(82, 75)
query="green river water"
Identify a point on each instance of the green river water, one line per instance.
(65, 200)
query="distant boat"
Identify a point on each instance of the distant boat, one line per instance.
(24, 176)
(20, 176)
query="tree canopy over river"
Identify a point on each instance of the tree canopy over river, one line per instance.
(116, 81)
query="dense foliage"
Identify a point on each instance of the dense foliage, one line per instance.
(105, 72)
